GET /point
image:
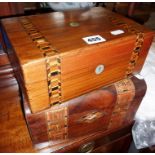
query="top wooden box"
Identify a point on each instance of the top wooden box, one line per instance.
(54, 63)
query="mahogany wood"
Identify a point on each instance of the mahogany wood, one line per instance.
(9, 8)
(6, 71)
(13, 129)
(3, 58)
(120, 145)
(53, 63)
(100, 140)
(98, 112)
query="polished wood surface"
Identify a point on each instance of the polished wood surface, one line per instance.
(3, 58)
(9, 8)
(6, 71)
(102, 142)
(77, 60)
(55, 24)
(99, 112)
(13, 130)
(120, 145)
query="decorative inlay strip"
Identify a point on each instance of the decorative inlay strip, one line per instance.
(135, 53)
(138, 44)
(124, 85)
(57, 124)
(125, 94)
(53, 61)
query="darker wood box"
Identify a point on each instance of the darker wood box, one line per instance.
(54, 63)
(99, 113)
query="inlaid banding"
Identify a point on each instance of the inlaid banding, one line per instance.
(125, 94)
(138, 43)
(53, 61)
(57, 124)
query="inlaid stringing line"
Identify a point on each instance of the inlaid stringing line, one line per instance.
(53, 63)
(135, 53)
(138, 43)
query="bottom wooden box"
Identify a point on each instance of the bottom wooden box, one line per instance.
(99, 112)
(117, 141)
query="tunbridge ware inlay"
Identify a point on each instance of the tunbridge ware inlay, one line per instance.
(56, 58)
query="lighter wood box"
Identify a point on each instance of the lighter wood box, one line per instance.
(53, 63)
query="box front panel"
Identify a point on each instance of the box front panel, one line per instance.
(78, 69)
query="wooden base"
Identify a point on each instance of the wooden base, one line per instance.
(13, 130)
(117, 141)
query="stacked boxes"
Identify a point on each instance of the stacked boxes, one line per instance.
(75, 70)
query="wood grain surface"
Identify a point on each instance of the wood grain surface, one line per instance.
(99, 112)
(13, 130)
(116, 141)
(49, 36)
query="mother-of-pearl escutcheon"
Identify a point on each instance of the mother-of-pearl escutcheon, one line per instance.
(99, 69)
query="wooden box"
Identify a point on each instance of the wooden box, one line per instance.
(62, 55)
(100, 111)
(117, 141)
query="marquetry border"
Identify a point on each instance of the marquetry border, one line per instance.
(138, 43)
(125, 90)
(52, 59)
(57, 124)
(135, 53)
